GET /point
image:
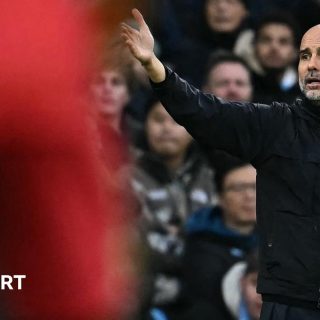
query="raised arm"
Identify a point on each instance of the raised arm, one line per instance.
(141, 44)
(242, 129)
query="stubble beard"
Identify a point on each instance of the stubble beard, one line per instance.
(312, 95)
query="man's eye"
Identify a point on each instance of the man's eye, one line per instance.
(304, 56)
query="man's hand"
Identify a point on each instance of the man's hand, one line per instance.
(140, 43)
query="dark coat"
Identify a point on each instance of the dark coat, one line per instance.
(283, 142)
(211, 249)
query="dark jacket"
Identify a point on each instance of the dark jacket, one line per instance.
(283, 142)
(211, 249)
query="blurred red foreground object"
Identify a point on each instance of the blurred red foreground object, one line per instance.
(56, 227)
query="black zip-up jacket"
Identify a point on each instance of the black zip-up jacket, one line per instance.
(283, 143)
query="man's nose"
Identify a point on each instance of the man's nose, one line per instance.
(314, 63)
(233, 90)
(275, 45)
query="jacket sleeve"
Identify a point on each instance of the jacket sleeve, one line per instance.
(241, 129)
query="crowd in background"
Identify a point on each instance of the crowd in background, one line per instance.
(195, 210)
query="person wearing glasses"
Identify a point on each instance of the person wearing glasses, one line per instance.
(217, 237)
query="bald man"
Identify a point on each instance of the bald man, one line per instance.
(283, 143)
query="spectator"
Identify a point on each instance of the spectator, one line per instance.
(121, 90)
(239, 289)
(224, 16)
(111, 89)
(171, 180)
(275, 54)
(217, 238)
(228, 77)
(223, 25)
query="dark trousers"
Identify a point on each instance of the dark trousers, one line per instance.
(277, 311)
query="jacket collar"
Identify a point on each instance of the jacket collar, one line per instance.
(209, 221)
(307, 110)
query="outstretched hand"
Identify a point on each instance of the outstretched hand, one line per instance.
(140, 42)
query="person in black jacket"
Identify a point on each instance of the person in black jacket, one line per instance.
(282, 141)
(217, 237)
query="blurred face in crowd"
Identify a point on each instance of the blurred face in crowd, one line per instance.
(165, 137)
(238, 197)
(110, 92)
(251, 297)
(309, 64)
(224, 15)
(230, 81)
(274, 46)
